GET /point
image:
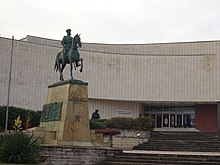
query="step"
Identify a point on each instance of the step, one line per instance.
(167, 148)
(133, 158)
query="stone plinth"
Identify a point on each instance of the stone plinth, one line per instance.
(66, 112)
(76, 155)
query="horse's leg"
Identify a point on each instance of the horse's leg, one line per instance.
(71, 70)
(81, 64)
(75, 65)
(56, 65)
(61, 70)
(71, 67)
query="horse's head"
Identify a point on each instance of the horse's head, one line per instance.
(77, 40)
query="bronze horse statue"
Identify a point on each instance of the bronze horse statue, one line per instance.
(71, 58)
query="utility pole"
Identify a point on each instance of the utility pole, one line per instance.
(9, 85)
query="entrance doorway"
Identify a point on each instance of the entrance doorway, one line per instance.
(158, 121)
(165, 120)
(171, 116)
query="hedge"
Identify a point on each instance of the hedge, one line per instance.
(140, 123)
(14, 112)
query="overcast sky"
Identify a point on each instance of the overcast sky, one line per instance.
(112, 21)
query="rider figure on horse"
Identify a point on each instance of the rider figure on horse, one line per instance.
(69, 54)
(67, 43)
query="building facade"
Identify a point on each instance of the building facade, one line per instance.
(178, 84)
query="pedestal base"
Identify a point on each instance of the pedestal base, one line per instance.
(66, 113)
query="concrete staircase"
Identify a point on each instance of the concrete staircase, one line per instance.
(126, 143)
(170, 148)
(182, 141)
(155, 158)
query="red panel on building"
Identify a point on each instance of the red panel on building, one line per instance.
(206, 117)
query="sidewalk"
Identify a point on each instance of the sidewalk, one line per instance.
(174, 152)
(176, 129)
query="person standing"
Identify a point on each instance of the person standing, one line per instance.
(95, 115)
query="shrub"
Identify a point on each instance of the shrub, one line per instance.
(14, 112)
(140, 123)
(143, 124)
(97, 124)
(19, 148)
(120, 123)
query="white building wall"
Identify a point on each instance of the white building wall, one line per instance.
(184, 72)
(172, 72)
(5, 52)
(110, 108)
(32, 72)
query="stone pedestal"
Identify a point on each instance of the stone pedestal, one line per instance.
(66, 113)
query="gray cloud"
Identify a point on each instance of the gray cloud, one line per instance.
(113, 21)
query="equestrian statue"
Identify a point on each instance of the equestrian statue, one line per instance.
(69, 54)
